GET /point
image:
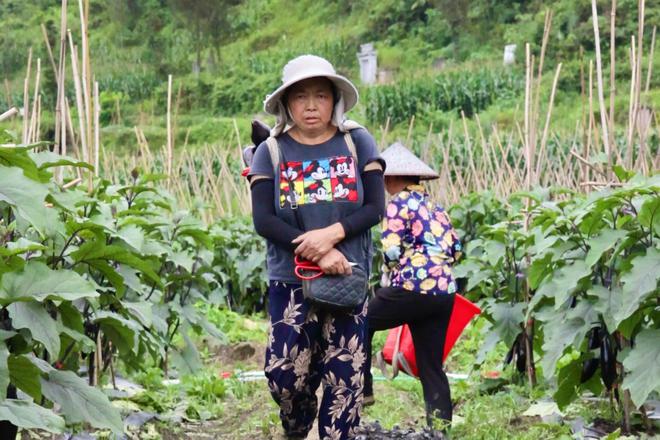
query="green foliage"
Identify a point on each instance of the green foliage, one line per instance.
(468, 92)
(235, 326)
(120, 268)
(240, 257)
(588, 263)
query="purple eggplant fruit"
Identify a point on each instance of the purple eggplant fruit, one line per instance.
(607, 361)
(590, 366)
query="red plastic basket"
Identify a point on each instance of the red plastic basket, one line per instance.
(461, 314)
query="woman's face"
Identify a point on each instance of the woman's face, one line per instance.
(311, 104)
(392, 184)
(396, 184)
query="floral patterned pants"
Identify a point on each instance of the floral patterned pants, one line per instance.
(308, 347)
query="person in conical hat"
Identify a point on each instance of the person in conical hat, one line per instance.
(419, 247)
(315, 198)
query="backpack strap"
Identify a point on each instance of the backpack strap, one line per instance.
(349, 126)
(273, 146)
(273, 150)
(351, 145)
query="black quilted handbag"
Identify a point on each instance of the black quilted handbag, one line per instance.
(337, 292)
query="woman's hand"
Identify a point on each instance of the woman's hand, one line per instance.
(314, 244)
(335, 263)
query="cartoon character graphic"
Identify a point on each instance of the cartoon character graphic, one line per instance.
(320, 174)
(317, 181)
(342, 177)
(345, 168)
(340, 192)
(291, 172)
(320, 180)
(317, 192)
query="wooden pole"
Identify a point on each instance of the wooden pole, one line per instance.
(79, 100)
(33, 117)
(599, 77)
(8, 114)
(10, 102)
(632, 106)
(650, 67)
(62, 116)
(612, 71)
(97, 131)
(86, 77)
(26, 98)
(546, 128)
(170, 146)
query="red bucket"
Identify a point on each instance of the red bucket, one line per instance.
(463, 311)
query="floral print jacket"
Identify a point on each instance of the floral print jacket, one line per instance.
(419, 244)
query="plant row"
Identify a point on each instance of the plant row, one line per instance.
(570, 283)
(93, 278)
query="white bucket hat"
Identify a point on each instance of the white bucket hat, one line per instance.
(401, 161)
(304, 67)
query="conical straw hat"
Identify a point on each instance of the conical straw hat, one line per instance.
(401, 161)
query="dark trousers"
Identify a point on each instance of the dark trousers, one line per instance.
(308, 348)
(428, 318)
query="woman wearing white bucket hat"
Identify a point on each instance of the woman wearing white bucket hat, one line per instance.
(316, 192)
(419, 247)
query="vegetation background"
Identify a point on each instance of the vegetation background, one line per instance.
(165, 276)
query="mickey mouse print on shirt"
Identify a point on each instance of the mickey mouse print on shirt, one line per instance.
(317, 181)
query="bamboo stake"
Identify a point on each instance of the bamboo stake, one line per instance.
(410, 128)
(640, 54)
(546, 129)
(79, 99)
(528, 121)
(490, 167)
(631, 108)
(599, 77)
(69, 126)
(208, 175)
(587, 146)
(468, 144)
(97, 140)
(10, 102)
(192, 172)
(49, 50)
(238, 136)
(612, 71)
(26, 103)
(650, 67)
(72, 183)
(537, 98)
(62, 113)
(33, 120)
(8, 114)
(583, 98)
(587, 163)
(170, 145)
(638, 79)
(143, 154)
(86, 78)
(37, 131)
(498, 142)
(98, 359)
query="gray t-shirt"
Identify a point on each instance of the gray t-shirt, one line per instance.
(327, 186)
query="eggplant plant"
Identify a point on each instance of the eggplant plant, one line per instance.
(590, 265)
(92, 278)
